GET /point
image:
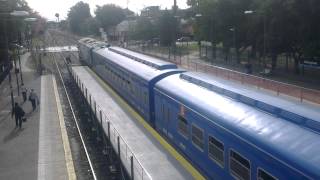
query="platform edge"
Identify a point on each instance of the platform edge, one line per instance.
(64, 135)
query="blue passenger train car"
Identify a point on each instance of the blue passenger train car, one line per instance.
(224, 134)
(86, 46)
(133, 80)
(227, 139)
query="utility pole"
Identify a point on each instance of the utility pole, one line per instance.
(175, 28)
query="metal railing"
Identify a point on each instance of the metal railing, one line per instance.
(303, 94)
(280, 88)
(125, 153)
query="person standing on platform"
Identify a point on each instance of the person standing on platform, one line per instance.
(24, 93)
(18, 112)
(33, 97)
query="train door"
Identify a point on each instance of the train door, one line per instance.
(163, 115)
(167, 117)
(169, 113)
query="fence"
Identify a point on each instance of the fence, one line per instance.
(126, 155)
(206, 51)
(173, 54)
(261, 83)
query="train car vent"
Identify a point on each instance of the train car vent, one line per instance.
(251, 101)
(148, 63)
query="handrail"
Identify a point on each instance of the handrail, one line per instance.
(295, 91)
(107, 119)
(127, 146)
(292, 90)
(279, 82)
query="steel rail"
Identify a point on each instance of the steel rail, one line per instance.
(75, 120)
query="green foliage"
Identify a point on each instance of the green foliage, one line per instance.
(144, 30)
(90, 26)
(11, 27)
(291, 26)
(167, 28)
(77, 17)
(109, 15)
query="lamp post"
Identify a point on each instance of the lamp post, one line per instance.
(264, 31)
(233, 30)
(30, 20)
(199, 15)
(175, 8)
(6, 15)
(18, 47)
(18, 14)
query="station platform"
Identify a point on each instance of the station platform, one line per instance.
(152, 157)
(40, 149)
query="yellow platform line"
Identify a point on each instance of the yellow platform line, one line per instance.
(65, 140)
(194, 172)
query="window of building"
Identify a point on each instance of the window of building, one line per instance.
(263, 175)
(239, 166)
(183, 127)
(197, 137)
(216, 151)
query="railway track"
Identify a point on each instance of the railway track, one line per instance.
(93, 157)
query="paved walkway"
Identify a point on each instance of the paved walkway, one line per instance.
(37, 150)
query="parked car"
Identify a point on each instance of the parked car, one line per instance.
(184, 39)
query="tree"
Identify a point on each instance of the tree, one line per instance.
(90, 26)
(287, 26)
(9, 28)
(109, 15)
(167, 28)
(78, 15)
(145, 29)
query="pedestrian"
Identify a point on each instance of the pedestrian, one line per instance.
(33, 97)
(18, 112)
(24, 93)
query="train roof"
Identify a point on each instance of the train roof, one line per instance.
(145, 59)
(141, 70)
(92, 43)
(294, 144)
(303, 114)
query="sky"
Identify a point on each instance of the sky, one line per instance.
(48, 8)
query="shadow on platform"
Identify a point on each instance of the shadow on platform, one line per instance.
(13, 134)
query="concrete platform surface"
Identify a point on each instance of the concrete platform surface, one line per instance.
(37, 150)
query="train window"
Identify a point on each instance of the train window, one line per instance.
(239, 166)
(263, 175)
(197, 137)
(183, 126)
(216, 151)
